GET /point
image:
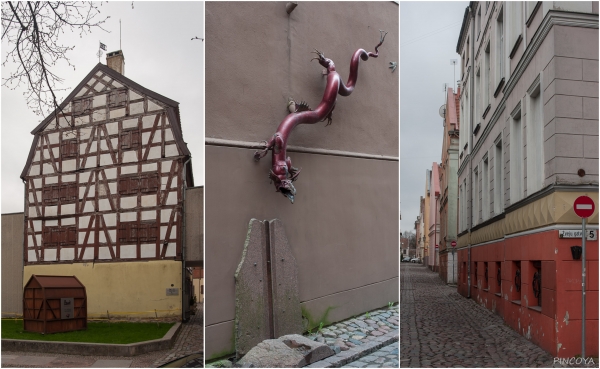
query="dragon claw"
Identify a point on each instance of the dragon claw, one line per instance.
(259, 154)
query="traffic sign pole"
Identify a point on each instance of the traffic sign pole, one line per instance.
(584, 208)
(583, 287)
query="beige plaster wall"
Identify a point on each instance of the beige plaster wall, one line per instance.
(132, 289)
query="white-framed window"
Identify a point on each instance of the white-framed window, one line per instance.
(516, 155)
(498, 177)
(464, 205)
(485, 190)
(535, 137)
(460, 207)
(515, 22)
(478, 23)
(475, 197)
(486, 78)
(499, 47)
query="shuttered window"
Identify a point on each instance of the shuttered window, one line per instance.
(133, 185)
(117, 98)
(59, 194)
(130, 140)
(68, 148)
(82, 106)
(132, 232)
(59, 236)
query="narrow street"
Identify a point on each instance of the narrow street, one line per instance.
(440, 328)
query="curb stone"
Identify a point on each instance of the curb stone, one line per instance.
(357, 352)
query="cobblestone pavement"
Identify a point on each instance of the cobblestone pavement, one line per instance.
(357, 331)
(188, 342)
(386, 357)
(440, 328)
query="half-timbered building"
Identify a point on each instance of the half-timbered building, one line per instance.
(104, 185)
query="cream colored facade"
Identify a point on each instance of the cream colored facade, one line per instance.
(133, 289)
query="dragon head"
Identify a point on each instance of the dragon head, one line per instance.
(325, 62)
(283, 181)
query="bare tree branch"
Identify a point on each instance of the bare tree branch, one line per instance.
(33, 30)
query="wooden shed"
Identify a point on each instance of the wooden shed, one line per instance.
(53, 303)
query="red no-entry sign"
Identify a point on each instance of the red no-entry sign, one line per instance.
(453, 243)
(584, 207)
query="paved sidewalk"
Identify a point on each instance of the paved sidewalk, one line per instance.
(189, 341)
(440, 328)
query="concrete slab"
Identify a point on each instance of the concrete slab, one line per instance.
(112, 364)
(40, 361)
(8, 358)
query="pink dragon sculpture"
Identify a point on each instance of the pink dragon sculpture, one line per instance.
(282, 173)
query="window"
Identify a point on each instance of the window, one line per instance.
(536, 283)
(516, 156)
(69, 148)
(132, 185)
(130, 139)
(82, 106)
(485, 200)
(132, 232)
(475, 201)
(117, 98)
(460, 208)
(499, 47)
(535, 143)
(486, 78)
(478, 23)
(498, 180)
(59, 194)
(515, 23)
(59, 236)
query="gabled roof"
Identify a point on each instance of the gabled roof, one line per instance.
(54, 281)
(172, 112)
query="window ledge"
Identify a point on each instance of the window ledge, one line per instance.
(516, 302)
(499, 88)
(498, 294)
(516, 47)
(536, 308)
(486, 111)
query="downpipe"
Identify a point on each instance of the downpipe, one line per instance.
(183, 271)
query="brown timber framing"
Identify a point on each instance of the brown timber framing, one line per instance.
(98, 194)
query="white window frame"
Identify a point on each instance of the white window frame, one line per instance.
(535, 136)
(516, 155)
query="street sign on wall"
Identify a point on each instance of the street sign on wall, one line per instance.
(592, 234)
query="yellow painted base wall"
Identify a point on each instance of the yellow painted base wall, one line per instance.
(132, 289)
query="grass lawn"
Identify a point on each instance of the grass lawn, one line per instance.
(97, 332)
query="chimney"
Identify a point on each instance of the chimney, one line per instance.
(116, 61)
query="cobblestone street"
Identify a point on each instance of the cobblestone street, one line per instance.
(440, 328)
(386, 357)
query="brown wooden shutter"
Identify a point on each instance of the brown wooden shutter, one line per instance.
(144, 183)
(134, 185)
(133, 232)
(122, 232)
(143, 232)
(71, 235)
(46, 236)
(152, 232)
(55, 193)
(47, 194)
(135, 139)
(126, 140)
(153, 182)
(72, 194)
(123, 186)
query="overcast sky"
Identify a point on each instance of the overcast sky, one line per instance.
(159, 55)
(428, 37)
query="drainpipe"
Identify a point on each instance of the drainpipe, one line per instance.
(183, 274)
(471, 113)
